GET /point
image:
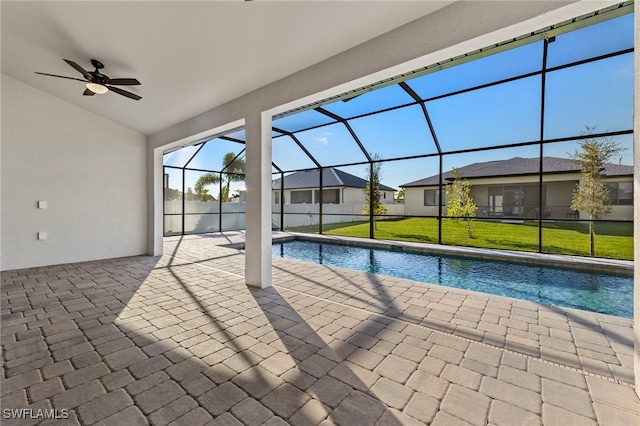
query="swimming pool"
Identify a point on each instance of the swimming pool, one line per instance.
(586, 290)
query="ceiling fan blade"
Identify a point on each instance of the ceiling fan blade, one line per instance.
(80, 69)
(88, 92)
(60, 76)
(124, 93)
(123, 81)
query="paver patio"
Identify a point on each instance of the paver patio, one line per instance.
(181, 340)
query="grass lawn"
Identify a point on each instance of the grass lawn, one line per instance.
(613, 240)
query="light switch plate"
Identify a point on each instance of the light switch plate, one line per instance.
(42, 235)
(42, 204)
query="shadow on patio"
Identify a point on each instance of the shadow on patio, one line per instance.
(181, 340)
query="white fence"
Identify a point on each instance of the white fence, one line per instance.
(202, 217)
(296, 215)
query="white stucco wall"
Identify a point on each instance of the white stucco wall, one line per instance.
(559, 195)
(414, 203)
(89, 170)
(353, 196)
(357, 196)
(349, 210)
(347, 195)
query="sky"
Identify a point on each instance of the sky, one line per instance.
(597, 94)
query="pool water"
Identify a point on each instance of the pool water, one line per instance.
(572, 288)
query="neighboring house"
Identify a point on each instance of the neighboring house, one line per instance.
(511, 189)
(338, 187)
(343, 198)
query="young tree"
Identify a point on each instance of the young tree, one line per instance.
(591, 195)
(460, 203)
(372, 191)
(233, 170)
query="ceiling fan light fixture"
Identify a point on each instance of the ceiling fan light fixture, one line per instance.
(96, 82)
(96, 88)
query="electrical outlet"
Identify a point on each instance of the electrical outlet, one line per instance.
(42, 235)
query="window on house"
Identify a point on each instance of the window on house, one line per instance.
(276, 197)
(621, 193)
(495, 200)
(431, 197)
(329, 196)
(301, 197)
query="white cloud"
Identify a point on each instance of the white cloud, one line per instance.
(324, 139)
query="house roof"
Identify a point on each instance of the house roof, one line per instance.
(519, 166)
(330, 177)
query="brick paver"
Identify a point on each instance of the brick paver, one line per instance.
(396, 368)
(181, 340)
(358, 408)
(158, 396)
(257, 382)
(251, 412)
(330, 391)
(222, 398)
(465, 404)
(173, 410)
(285, 400)
(104, 406)
(77, 396)
(391, 393)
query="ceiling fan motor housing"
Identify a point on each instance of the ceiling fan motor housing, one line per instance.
(98, 77)
(96, 63)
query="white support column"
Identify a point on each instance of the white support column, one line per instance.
(155, 202)
(258, 211)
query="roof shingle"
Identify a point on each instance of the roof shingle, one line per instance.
(519, 166)
(330, 177)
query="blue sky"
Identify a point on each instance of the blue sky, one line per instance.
(595, 94)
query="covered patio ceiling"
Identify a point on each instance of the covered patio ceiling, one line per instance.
(189, 56)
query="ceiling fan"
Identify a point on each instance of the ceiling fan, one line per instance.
(98, 83)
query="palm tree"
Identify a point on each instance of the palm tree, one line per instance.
(233, 170)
